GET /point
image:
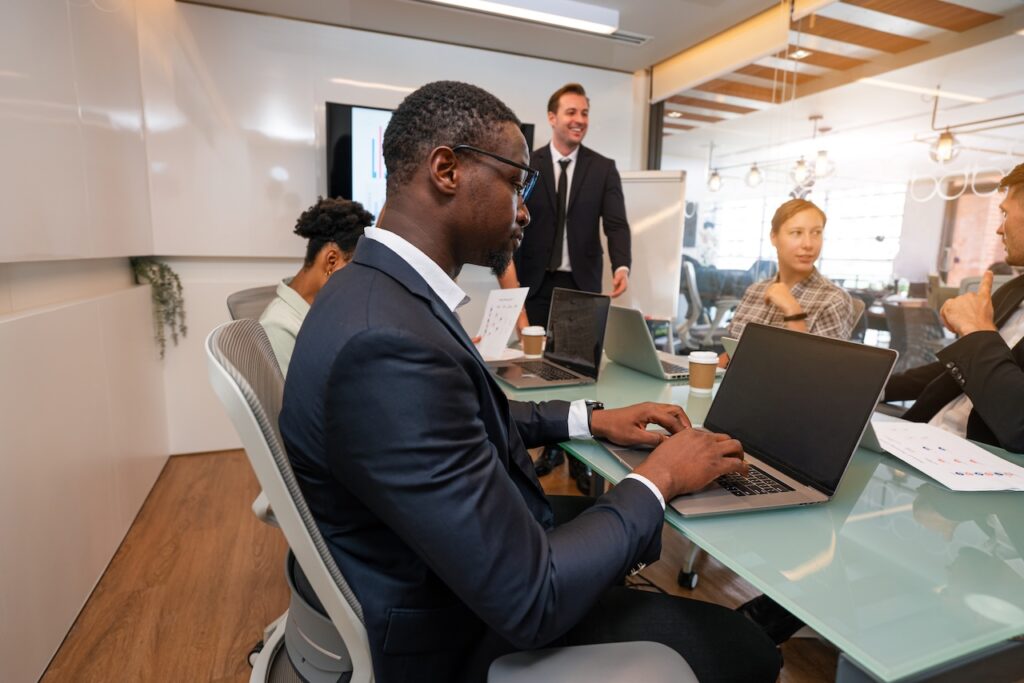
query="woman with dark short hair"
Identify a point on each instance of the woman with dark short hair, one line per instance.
(333, 227)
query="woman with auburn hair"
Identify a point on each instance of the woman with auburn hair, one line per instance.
(798, 297)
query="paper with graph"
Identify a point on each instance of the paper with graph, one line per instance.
(954, 462)
(500, 315)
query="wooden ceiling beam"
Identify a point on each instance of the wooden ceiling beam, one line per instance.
(720, 86)
(678, 126)
(685, 101)
(825, 60)
(944, 15)
(854, 34)
(694, 117)
(770, 74)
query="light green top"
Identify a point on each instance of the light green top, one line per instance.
(282, 319)
(897, 571)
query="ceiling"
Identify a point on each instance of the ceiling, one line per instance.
(672, 26)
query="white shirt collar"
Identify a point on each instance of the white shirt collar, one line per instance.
(442, 285)
(556, 155)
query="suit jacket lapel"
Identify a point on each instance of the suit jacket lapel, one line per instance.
(541, 160)
(1008, 299)
(375, 255)
(578, 174)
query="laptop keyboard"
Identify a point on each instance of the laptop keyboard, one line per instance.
(673, 369)
(756, 483)
(545, 371)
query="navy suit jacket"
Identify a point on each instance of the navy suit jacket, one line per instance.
(981, 366)
(414, 465)
(596, 193)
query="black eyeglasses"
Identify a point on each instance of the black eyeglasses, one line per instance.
(532, 174)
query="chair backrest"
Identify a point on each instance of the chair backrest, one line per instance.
(249, 303)
(911, 328)
(246, 377)
(694, 307)
(858, 315)
(972, 282)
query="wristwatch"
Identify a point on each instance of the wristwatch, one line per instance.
(802, 315)
(591, 407)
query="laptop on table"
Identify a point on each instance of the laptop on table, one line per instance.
(799, 404)
(628, 342)
(572, 352)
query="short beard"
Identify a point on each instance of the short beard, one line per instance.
(498, 261)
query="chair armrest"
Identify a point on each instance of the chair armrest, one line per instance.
(261, 508)
(608, 662)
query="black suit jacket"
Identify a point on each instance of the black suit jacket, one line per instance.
(595, 194)
(414, 465)
(981, 366)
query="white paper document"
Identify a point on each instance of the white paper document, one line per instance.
(500, 315)
(954, 462)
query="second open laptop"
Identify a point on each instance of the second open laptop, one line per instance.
(572, 351)
(628, 342)
(799, 404)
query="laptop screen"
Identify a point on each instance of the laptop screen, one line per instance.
(576, 326)
(800, 402)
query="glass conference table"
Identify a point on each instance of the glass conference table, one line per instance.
(908, 579)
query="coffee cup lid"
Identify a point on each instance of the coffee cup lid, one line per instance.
(703, 357)
(533, 330)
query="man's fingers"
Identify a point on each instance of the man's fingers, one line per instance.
(985, 288)
(648, 438)
(672, 418)
(731, 466)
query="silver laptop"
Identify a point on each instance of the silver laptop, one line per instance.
(628, 342)
(729, 344)
(572, 351)
(799, 404)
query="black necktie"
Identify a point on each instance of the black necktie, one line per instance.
(555, 262)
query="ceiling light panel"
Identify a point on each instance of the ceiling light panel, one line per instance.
(563, 13)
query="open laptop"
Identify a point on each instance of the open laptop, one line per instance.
(628, 342)
(572, 352)
(799, 404)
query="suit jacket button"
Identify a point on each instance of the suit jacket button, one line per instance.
(949, 364)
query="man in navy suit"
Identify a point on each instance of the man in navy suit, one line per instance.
(414, 463)
(976, 389)
(578, 189)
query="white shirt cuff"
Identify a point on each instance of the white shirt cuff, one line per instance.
(647, 482)
(625, 268)
(578, 427)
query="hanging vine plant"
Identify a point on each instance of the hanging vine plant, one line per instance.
(168, 302)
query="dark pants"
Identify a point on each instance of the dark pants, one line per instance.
(538, 303)
(719, 644)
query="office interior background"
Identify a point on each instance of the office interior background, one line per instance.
(194, 133)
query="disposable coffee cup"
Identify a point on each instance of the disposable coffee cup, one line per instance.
(533, 341)
(703, 365)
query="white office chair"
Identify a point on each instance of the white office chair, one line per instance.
(249, 303)
(245, 376)
(972, 282)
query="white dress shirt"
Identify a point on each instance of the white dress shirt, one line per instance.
(453, 297)
(953, 416)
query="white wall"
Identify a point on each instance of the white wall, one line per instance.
(230, 96)
(83, 430)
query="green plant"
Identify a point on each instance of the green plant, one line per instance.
(168, 302)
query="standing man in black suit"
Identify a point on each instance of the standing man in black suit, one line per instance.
(578, 190)
(414, 463)
(976, 389)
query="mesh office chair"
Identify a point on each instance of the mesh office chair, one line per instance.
(697, 336)
(916, 332)
(249, 303)
(860, 321)
(246, 378)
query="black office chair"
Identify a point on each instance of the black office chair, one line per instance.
(916, 332)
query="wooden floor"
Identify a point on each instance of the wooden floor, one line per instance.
(198, 577)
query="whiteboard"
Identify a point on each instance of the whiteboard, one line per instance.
(655, 204)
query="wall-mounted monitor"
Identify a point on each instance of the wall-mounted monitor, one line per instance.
(355, 159)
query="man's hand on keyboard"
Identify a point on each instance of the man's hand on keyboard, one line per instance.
(690, 460)
(628, 426)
